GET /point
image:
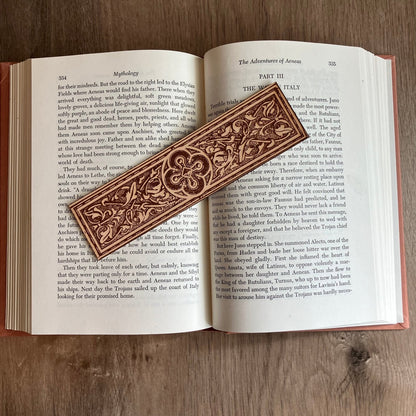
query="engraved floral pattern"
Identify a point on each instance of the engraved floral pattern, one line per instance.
(201, 163)
(186, 173)
(129, 206)
(247, 137)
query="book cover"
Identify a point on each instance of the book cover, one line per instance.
(4, 125)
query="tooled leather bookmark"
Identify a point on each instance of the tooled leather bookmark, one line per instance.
(218, 153)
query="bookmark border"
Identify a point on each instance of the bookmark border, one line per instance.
(188, 171)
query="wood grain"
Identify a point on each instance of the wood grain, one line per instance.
(206, 373)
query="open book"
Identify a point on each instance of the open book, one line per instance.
(310, 240)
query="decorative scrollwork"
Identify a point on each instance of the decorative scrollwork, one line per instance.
(203, 162)
(247, 137)
(128, 206)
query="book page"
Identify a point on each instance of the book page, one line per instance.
(291, 242)
(95, 116)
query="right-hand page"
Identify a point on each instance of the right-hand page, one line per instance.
(310, 239)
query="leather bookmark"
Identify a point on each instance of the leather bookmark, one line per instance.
(189, 170)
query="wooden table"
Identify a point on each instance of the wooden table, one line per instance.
(337, 373)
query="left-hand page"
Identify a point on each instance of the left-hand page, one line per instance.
(93, 117)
